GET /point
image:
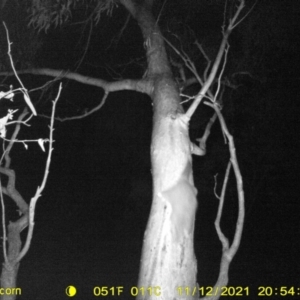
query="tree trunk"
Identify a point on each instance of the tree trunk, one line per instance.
(168, 259)
(168, 253)
(10, 267)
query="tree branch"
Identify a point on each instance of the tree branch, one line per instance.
(38, 194)
(13, 138)
(24, 90)
(216, 64)
(141, 85)
(87, 113)
(228, 252)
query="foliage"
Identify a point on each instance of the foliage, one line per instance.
(44, 13)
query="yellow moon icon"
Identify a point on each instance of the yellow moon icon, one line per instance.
(71, 291)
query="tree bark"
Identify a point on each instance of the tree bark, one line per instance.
(10, 267)
(168, 259)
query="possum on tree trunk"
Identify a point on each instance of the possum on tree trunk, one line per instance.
(183, 203)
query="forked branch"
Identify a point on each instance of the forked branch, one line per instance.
(38, 193)
(217, 62)
(228, 251)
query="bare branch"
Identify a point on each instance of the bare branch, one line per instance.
(243, 18)
(33, 200)
(86, 47)
(221, 74)
(87, 113)
(24, 90)
(187, 61)
(10, 190)
(229, 252)
(232, 22)
(117, 38)
(202, 141)
(239, 181)
(142, 85)
(222, 237)
(13, 138)
(206, 57)
(216, 64)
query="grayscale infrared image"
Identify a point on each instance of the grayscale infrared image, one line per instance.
(149, 149)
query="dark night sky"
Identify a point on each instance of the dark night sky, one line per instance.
(91, 218)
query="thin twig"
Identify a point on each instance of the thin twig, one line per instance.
(221, 74)
(24, 90)
(13, 138)
(84, 115)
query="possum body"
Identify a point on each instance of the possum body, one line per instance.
(183, 202)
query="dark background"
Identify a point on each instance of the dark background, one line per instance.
(90, 220)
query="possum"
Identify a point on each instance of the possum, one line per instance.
(183, 202)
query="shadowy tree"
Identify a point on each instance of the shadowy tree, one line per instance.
(168, 262)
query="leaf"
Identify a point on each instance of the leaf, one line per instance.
(41, 143)
(3, 132)
(7, 95)
(3, 122)
(27, 99)
(26, 146)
